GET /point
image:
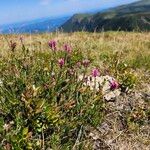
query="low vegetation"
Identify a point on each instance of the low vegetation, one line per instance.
(44, 105)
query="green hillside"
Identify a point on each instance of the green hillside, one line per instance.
(135, 16)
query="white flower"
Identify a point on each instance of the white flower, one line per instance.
(80, 78)
(100, 82)
(6, 127)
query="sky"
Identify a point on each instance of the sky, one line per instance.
(12, 11)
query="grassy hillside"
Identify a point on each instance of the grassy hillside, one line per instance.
(44, 105)
(135, 16)
(77, 22)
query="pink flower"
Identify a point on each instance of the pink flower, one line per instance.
(95, 72)
(85, 63)
(52, 44)
(114, 85)
(61, 62)
(67, 48)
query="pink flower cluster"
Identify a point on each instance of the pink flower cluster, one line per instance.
(61, 62)
(114, 85)
(67, 48)
(95, 72)
(52, 44)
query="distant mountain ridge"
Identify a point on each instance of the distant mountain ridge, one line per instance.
(134, 16)
(34, 26)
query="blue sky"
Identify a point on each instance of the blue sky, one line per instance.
(21, 10)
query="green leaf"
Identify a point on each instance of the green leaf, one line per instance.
(25, 131)
(1, 124)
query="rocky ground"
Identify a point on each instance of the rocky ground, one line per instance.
(122, 113)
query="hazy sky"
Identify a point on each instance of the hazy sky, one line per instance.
(21, 10)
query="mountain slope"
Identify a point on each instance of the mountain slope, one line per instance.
(77, 22)
(39, 25)
(135, 16)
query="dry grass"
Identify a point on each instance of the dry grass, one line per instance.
(134, 46)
